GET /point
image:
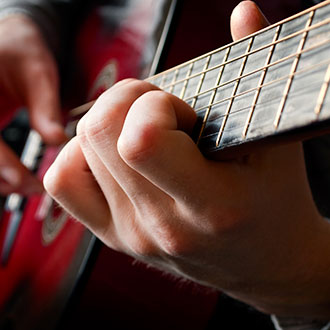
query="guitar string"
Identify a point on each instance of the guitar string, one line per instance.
(266, 67)
(274, 43)
(213, 95)
(85, 107)
(234, 92)
(260, 83)
(323, 92)
(310, 68)
(281, 23)
(326, 82)
(80, 110)
(202, 77)
(327, 42)
(294, 67)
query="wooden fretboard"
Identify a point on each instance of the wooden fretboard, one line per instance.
(267, 84)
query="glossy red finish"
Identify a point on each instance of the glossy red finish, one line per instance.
(35, 270)
(34, 275)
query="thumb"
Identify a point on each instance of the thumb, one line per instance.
(246, 18)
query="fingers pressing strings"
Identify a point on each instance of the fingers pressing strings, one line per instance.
(152, 143)
(99, 130)
(144, 205)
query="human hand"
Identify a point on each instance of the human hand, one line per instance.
(247, 226)
(28, 77)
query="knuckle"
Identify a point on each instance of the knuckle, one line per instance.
(225, 222)
(59, 175)
(174, 244)
(141, 248)
(140, 149)
(94, 123)
(53, 180)
(172, 240)
(143, 139)
(155, 96)
(134, 86)
(80, 130)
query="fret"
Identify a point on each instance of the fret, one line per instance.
(292, 72)
(163, 81)
(175, 76)
(323, 92)
(185, 83)
(181, 80)
(237, 99)
(282, 41)
(213, 94)
(201, 80)
(275, 64)
(233, 94)
(261, 82)
(270, 84)
(211, 77)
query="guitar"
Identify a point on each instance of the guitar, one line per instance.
(271, 84)
(229, 88)
(46, 256)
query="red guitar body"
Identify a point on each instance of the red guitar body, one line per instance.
(54, 263)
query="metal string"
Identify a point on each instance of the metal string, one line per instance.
(177, 68)
(311, 68)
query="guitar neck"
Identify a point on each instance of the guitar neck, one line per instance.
(271, 83)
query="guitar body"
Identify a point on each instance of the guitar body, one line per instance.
(51, 263)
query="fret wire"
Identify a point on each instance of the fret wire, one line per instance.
(217, 82)
(184, 87)
(224, 121)
(318, 6)
(261, 81)
(323, 92)
(161, 85)
(326, 79)
(313, 67)
(293, 70)
(201, 80)
(176, 72)
(295, 34)
(323, 43)
(82, 109)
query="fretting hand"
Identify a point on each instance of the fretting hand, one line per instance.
(248, 226)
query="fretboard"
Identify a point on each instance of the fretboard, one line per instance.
(268, 84)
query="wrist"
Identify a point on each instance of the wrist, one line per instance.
(315, 290)
(302, 287)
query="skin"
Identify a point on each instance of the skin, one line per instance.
(28, 77)
(247, 226)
